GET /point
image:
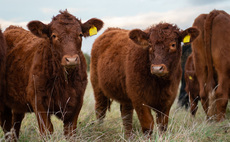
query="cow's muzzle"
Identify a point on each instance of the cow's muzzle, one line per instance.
(70, 61)
(159, 70)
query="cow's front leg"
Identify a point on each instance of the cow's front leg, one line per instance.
(36, 94)
(17, 120)
(70, 123)
(162, 119)
(70, 128)
(145, 117)
(44, 121)
(6, 120)
(127, 117)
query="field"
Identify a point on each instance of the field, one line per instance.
(182, 126)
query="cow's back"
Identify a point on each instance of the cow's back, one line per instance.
(107, 63)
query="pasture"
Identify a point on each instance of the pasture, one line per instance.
(182, 126)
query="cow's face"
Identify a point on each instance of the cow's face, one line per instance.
(163, 43)
(65, 33)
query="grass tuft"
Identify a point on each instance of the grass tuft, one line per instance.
(182, 126)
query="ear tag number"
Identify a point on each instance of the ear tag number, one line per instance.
(92, 31)
(186, 39)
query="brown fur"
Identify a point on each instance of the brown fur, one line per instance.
(125, 68)
(214, 68)
(192, 85)
(38, 80)
(3, 48)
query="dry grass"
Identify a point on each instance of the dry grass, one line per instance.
(182, 126)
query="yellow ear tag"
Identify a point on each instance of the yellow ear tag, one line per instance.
(190, 77)
(92, 31)
(186, 39)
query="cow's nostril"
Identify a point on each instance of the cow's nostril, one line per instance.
(161, 68)
(76, 59)
(67, 59)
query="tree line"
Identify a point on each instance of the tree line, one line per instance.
(87, 58)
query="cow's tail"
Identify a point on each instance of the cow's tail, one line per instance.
(210, 82)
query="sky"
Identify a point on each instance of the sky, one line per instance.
(127, 14)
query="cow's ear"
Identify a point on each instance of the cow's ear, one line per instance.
(189, 35)
(91, 27)
(38, 28)
(139, 37)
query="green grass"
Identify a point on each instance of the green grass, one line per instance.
(182, 126)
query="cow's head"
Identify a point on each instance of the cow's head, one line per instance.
(163, 42)
(192, 88)
(65, 33)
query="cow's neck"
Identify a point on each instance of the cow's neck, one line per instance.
(68, 74)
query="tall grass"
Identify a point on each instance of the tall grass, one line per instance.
(182, 126)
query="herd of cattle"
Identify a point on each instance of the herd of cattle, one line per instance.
(43, 70)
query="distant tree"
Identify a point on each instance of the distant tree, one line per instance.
(87, 58)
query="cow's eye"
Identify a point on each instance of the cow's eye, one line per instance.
(53, 36)
(172, 47)
(81, 34)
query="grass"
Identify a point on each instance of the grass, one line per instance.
(182, 126)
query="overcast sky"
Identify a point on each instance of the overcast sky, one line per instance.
(126, 14)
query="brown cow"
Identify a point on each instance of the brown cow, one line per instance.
(3, 48)
(139, 69)
(46, 71)
(192, 85)
(212, 61)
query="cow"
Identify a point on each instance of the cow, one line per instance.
(3, 48)
(183, 98)
(211, 62)
(192, 85)
(46, 71)
(139, 69)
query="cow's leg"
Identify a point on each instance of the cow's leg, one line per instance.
(162, 119)
(6, 119)
(101, 104)
(70, 124)
(70, 128)
(201, 72)
(145, 117)
(17, 120)
(127, 117)
(221, 97)
(44, 121)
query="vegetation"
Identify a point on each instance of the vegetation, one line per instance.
(182, 126)
(87, 58)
